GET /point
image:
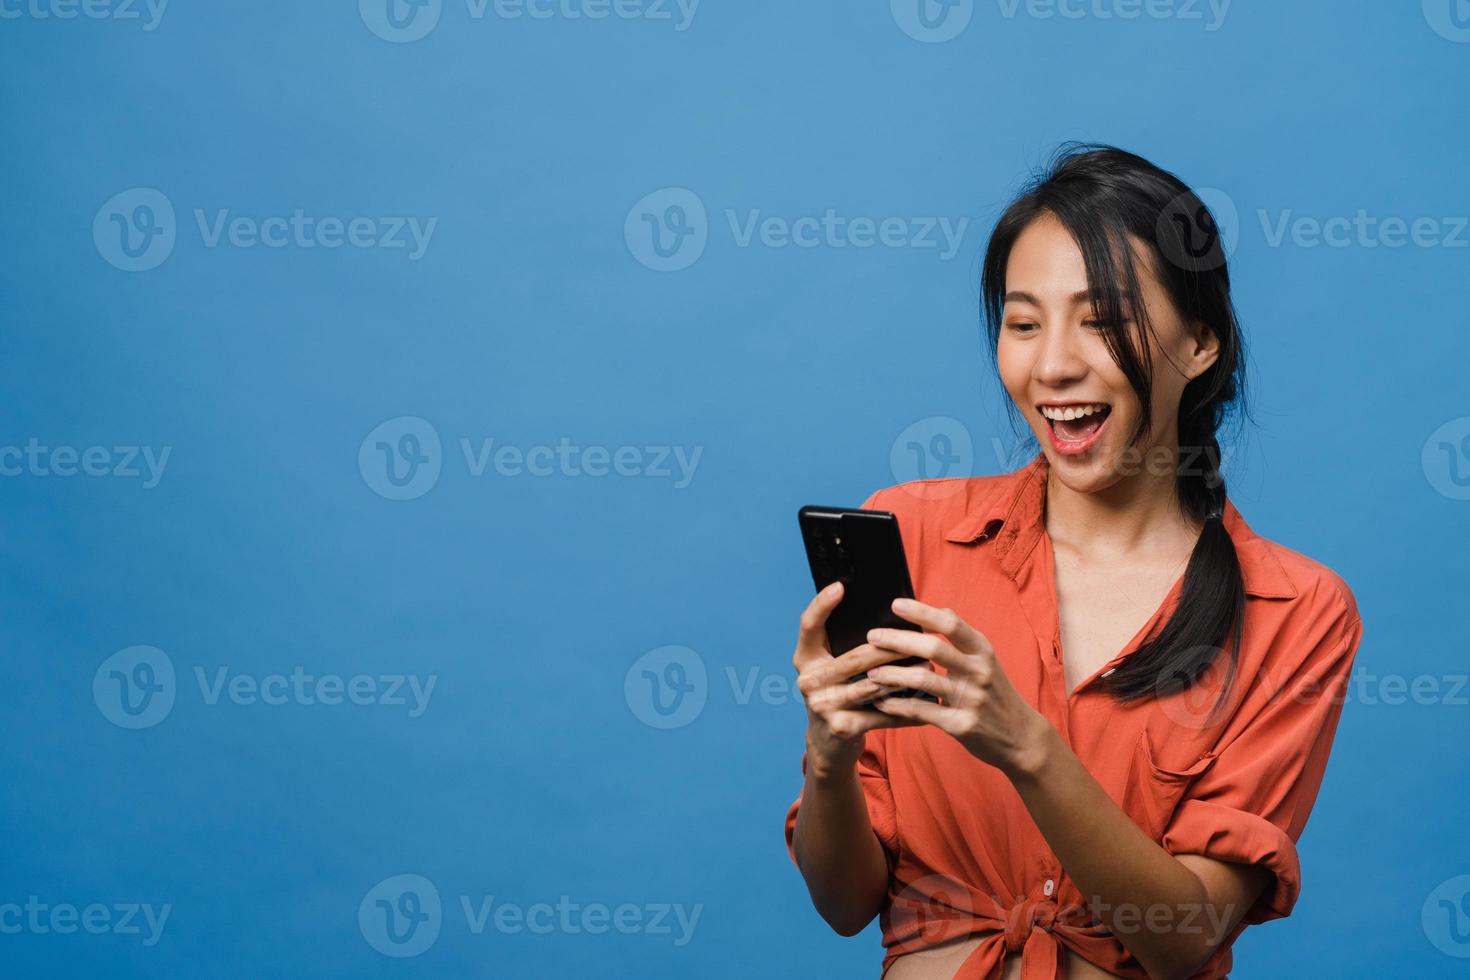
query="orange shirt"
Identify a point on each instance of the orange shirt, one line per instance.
(1233, 781)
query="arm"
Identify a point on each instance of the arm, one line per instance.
(834, 844)
(838, 853)
(1121, 870)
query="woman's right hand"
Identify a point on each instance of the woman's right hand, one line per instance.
(836, 721)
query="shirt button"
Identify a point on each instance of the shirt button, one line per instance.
(1049, 887)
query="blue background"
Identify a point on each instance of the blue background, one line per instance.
(533, 774)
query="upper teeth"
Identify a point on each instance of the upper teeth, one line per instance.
(1058, 414)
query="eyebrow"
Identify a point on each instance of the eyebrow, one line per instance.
(1081, 296)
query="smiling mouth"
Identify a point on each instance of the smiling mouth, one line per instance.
(1074, 427)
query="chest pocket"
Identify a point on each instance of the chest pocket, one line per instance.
(1153, 791)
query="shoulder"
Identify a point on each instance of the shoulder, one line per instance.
(1322, 618)
(1318, 587)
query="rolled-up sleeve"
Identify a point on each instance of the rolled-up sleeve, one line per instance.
(872, 773)
(1251, 804)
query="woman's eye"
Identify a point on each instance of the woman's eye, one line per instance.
(1022, 326)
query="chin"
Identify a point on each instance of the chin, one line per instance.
(1089, 472)
(1083, 476)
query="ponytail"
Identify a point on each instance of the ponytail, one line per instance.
(1211, 601)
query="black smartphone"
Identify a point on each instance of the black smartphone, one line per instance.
(864, 551)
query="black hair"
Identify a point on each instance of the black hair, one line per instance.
(1107, 198)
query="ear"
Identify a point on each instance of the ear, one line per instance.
(1201, 349)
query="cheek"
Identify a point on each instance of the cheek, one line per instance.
(1014, 371)
(1106, 370)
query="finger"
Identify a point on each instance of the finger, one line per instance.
(946, 622)
(868, 719)
(859, 659)
(917, 709)
(811, 639)
(909, 643)
(843, 696)
(918, 679)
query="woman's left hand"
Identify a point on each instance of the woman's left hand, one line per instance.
(977, 704)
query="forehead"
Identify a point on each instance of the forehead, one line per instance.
(1046, 262)
(1045, 254)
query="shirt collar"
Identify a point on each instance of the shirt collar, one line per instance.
(1012, 516)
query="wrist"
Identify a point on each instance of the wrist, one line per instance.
(823, 775)
(825, 767)
(1038, 747)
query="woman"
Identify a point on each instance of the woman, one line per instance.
(1137, 693)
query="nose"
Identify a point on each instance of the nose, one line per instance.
(1059, 362)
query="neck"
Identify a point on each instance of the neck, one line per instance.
(1140, 513)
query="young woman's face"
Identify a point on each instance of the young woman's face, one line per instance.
(1056, 366)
